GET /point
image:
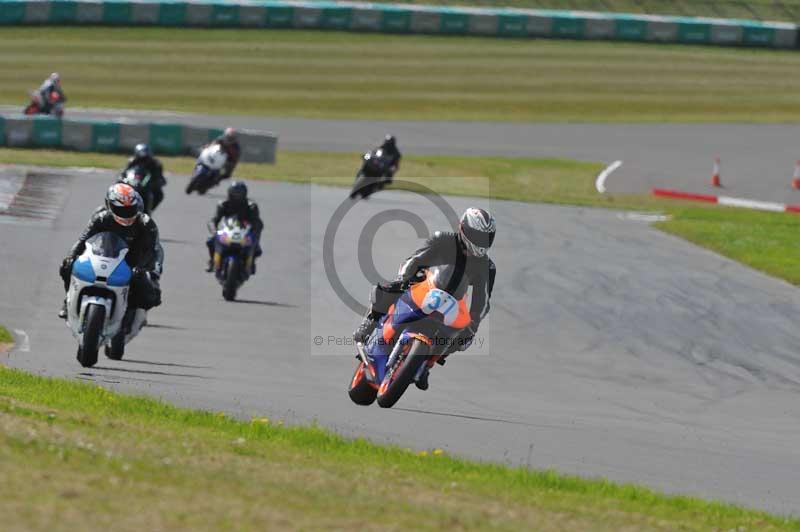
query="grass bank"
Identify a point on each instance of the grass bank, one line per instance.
(762, 240)
(6, 339)
(77, 456)
(350, 75)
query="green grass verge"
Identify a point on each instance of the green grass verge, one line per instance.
(346, 75)
(5, 336)
(788, 10)
(77, 456)
(526, 179)
(765, 241)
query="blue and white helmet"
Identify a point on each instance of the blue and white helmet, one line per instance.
(476, 231)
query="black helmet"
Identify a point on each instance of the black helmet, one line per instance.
(142, 150)
(125, 203)
(476, 231)
(237, 192)
(389, 140)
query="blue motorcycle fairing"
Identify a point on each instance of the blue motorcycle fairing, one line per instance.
(121, 276)
(405, 311)
(83, 270)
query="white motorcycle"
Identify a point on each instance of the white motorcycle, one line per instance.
(208, 170)
(97, 300)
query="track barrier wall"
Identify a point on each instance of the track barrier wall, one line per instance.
(401, 18)
(123, 135)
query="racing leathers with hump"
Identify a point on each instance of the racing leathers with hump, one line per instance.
(466, 251)
(122, 215)
(51, 95)
(392, 153)
(229, 141)
(143, 156)
(242, 208)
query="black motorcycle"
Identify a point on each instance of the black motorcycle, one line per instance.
(374, 175)
(139, 178)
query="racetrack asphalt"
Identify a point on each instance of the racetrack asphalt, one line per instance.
(757, 160)
(612, 349)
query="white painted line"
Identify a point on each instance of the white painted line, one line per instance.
(600, 183)
(644, 217)
(751, 204)
(25, 346)
(10, 186)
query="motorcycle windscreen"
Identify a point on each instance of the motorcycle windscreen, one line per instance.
(107, 245)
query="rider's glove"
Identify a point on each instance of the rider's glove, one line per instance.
(65, 270)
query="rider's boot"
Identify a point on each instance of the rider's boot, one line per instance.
(63, 312)
(210, 266)
(367, 326)
(422, 380)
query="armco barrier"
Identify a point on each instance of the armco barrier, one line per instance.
(401, 18)
(122, 136)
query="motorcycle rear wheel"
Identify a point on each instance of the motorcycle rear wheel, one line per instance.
(361, 392)
(116, 350)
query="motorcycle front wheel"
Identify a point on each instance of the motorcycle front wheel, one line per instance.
(232, 273)
(95, 318)
(398, 379)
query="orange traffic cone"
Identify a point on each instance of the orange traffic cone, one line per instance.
(715, 179)
(796, 177)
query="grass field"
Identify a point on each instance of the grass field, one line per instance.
(788, 10)
(766, 241)
(348, 75)
(76, 456)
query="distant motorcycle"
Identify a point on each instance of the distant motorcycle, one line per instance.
(374, 175)
(139, 178)
(97, 300)
(234, 249)
(208, 170)
(38, 106)
(428, 316)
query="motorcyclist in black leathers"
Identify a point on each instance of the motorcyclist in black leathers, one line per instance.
(122, 215)
(393, 154)
(466, 251)
(245, 210)
(49, 88)
(229, 141)
(143, 156)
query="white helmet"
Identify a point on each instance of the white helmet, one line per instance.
(476, 231)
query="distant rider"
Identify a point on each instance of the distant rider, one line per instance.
(244, 210)
(466, 251)
(122, 215)
(143, 156)
(229, 142)
(52, 95)
(392, 154)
